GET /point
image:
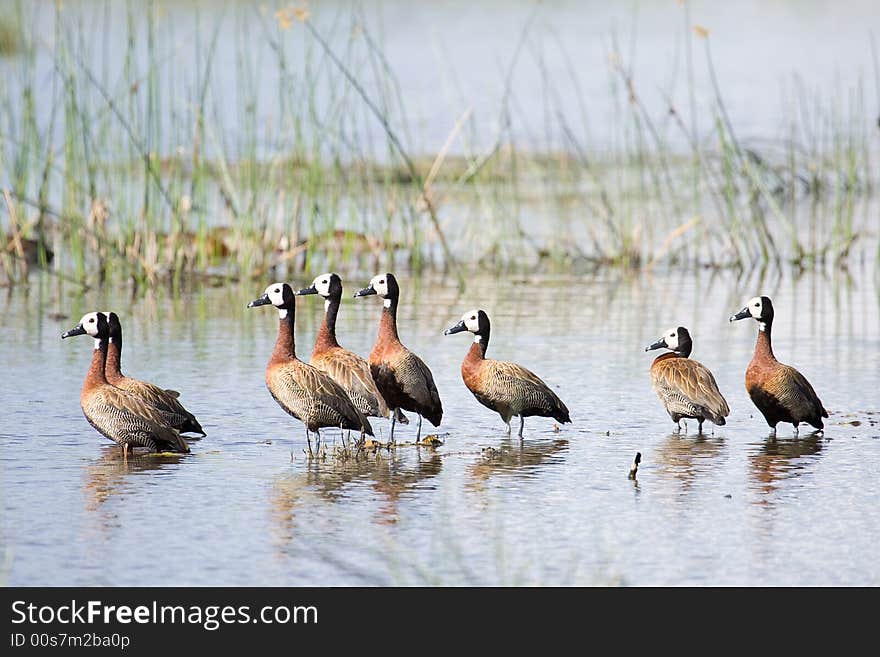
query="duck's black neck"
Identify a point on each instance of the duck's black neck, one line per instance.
(483, 342)
(113, 367)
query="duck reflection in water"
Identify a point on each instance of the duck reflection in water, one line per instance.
(686, 458)
(107, 475)
(777, 459)
(514, 457)
(390, 475)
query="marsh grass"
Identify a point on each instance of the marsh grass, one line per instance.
(131, 176)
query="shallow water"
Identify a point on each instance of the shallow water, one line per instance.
(247, 506)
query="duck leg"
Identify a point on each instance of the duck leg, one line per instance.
(522, 422)
(393, 420)
(419, 432)
(700, 427)
(309, 441)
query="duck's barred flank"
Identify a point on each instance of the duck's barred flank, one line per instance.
(688, 390)
(510, 390)
(406, 382)
(313, 397)
(128, 421)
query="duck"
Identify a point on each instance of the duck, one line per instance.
(401, 376)
(686, 387)
(507, 388)
(780, 392)
(164, 400)
(123, 418)
(303, 391)
(345, 367)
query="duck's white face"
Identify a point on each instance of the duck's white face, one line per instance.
(90, 323)
(756, 307)
(471, 320)
(322, 285)
(275, 292)
(380, 285)
(671, 338)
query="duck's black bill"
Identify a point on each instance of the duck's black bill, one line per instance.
(307, 290)
(458, 328)
(742, 314)
(76, 330)
(367, 291)
(262, 301)
(656, 345)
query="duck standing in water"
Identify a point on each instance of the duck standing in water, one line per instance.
(506, 388)
(685, 386)
(780, 392)
(123, 418)
(304, 392)
(402, 377)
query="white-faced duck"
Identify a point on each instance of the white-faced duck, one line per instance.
(345, 367)
(506, 388)
(780, 392)
(116, 414)
(402, 378)
(685, 386)
(304, 392)
(164, 400)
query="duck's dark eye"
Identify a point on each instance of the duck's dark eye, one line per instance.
(381, 282)
(277, 290)
(473, 317)
(323, 282)
(92, 320)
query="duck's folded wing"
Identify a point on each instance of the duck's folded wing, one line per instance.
(691, 380)
(127, 413)
(353, 373)
(416, 380)
(510, 380)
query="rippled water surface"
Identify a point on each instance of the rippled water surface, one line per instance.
(248, 507)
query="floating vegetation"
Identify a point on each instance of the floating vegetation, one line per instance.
(137, 179)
